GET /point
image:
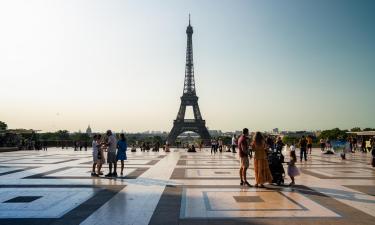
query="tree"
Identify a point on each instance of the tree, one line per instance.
(368, 129)
(63, 134)
(289, 140)
(333, 134)
(355, 129)
(3, 126)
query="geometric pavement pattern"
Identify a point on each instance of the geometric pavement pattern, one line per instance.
(55, 187)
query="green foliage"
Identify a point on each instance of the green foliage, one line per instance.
(368, 129)
(289, 140)
(355, 129)
(63, 134)
(3, 126)
(333, 134)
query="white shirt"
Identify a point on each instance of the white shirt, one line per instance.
(112, 143)
(292, 148)
(233, 141)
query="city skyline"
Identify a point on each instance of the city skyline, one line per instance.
(296, 65)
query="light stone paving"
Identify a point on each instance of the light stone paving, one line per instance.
(55, 187)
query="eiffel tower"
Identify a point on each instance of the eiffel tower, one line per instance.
(189, 98)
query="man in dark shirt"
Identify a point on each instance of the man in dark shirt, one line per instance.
(303, 147)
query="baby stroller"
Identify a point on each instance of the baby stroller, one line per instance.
(275, 161)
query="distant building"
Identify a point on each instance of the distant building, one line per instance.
(275, 130)
(215, 133)
(89, 131)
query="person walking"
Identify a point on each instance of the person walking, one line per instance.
(234, 143)
(243, 146)
(303, 148)
(261, 167)
(122, 146)
(111, 154)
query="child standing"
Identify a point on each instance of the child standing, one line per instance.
(292, 168)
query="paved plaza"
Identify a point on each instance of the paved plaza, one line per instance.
(55, 187)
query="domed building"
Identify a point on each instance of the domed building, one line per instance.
(89, 131)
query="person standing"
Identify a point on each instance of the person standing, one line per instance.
(111, 154)
(261, 167)
(303, 148)
(292, 168)
(234, 143)
(373, 152)
(45, 146)
(354, 140)
(322, 144)
(243, 146)
(220, 143)
(95, 153)
(101, 158)
(122, 146)
(279, 144)
(213, 146)
(309, 144)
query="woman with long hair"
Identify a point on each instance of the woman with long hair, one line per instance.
(261, 167)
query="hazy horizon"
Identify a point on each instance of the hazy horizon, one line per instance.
(294, 65)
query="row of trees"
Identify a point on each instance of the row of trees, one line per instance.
(332, 134)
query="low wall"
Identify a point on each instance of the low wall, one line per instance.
(8, 149)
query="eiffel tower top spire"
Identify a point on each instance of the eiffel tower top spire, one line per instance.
(189, 84)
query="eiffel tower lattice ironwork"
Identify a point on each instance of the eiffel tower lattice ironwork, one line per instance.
(189, 98)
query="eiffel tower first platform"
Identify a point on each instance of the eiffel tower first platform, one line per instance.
(189, 98)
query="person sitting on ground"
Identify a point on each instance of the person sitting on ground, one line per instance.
(191, 148)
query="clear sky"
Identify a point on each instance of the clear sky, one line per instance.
(294, 64)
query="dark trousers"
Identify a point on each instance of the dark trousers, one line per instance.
(213, 149)
(233, 148)
(303, 153)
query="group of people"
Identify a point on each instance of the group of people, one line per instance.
(116, 151)
(216, 145)
(260, 147)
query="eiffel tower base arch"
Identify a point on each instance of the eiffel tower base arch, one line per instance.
(180, 127)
